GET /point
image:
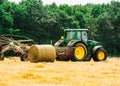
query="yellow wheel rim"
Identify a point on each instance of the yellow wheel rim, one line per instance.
(101, 55)
(79, 52)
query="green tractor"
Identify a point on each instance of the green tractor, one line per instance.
(75, 46)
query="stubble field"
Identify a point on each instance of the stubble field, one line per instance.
(13, 72)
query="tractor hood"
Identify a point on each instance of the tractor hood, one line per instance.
(92, 42)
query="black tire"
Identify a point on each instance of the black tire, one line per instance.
(79, 53)
(1, 57)
(100, 55)
(24, 57)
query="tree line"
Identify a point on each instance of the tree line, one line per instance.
(47, 22)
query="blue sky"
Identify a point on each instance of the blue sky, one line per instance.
(72, 2)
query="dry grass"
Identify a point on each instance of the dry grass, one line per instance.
(13, 72)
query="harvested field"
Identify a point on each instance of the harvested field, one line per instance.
(13, 72)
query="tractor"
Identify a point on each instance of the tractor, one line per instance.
(75, 46)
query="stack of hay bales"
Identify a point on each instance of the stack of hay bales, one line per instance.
(42, 53)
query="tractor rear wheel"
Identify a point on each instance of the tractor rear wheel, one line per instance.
(100, 55)
(79, 53)
(1, 57)
(24, 57)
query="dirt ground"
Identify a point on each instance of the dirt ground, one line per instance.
(13, 72)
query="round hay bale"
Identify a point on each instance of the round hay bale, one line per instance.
(42, 53)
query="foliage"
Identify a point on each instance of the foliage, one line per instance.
(44, 23)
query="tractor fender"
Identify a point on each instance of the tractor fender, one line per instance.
(71, 43)
(96, 48)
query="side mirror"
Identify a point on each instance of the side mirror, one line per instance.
(62, 37)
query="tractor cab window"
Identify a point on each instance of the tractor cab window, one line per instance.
(79, 35)
(70, 35)
(84, 36)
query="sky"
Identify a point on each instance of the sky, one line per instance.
(71, 2)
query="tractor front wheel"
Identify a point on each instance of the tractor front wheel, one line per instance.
(100, 55)
(79, 53)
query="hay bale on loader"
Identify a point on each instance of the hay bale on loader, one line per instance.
(42, 53)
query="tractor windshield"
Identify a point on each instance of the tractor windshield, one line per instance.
(70, 35)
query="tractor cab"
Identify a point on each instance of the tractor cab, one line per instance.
(76, 34)
(72, 36)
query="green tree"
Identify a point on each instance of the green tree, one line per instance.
(105, 32)
(6, 19)
(97, 10)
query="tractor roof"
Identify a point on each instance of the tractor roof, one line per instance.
(76, 30)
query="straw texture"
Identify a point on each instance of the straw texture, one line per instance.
(42, 53)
